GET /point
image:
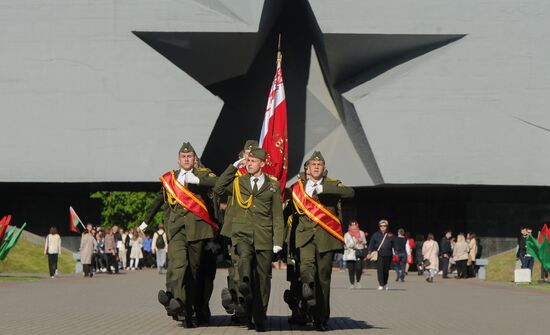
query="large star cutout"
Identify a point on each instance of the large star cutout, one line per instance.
(323, 74)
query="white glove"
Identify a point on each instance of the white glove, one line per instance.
(277, 249)
(238, 163)
(190, 178)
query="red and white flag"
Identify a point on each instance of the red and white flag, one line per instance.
(75, 224)
(274, 134)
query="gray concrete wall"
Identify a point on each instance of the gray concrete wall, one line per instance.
(82, 99)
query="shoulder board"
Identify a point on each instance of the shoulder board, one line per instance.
(332, 179)
(271, 177)
(203, 169)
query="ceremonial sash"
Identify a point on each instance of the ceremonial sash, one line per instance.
(316, 211)
(241, 172)
(186, 198)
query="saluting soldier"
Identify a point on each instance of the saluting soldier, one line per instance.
(257, 230)
(188, 225)
(318, 234)
(229, 295)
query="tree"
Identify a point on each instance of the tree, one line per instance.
(127, 209)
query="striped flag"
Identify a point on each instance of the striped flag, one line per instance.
(75, 224)
(274, 134)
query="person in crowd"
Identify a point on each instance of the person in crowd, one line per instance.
(87, 246)
(410, 256)
(122, 251)
(430, 253)
(128, 246)
(401, 249)
(339, 259)
(460, 255)
(527, 261)
(136, 253)
(472, 245)
(160, 246)
(52, 248)
(111, 251)
(147, 251)
(446, 252)
(355, 245)
(118, 243)
(418, 258)
(382, 242)
(100, 259)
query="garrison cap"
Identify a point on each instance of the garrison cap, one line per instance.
(317, 156)
(251, 144)
(187, 147)
(258, 153)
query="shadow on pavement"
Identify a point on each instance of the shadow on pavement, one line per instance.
(280, 323)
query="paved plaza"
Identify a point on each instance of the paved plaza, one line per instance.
(126, 304)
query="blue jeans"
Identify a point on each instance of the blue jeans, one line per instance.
(527, 262)
(400, 266)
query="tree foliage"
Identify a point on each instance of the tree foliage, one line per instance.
(126, 209)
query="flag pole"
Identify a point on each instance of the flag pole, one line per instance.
(279, 53)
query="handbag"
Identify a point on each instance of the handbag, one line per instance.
(374, 254)
(426, 262)
(360, 253)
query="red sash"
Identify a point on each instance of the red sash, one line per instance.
(241, 172)
(316, 211)
(186, 198)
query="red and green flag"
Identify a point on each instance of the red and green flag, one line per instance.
(540, 251)
(11, 239)
(75, 224)
(4, 223)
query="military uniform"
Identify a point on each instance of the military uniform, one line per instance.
(186, 233)
(256, 226)
(315, 248)
(229, 295)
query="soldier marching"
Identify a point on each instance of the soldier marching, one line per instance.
(258, 226)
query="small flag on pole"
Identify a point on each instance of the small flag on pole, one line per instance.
(75, 224)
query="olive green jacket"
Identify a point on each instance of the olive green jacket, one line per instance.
(262, 223)
(177, 217)
(307, 229)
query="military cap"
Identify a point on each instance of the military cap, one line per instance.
(187, 147)
(317, 156)
(258, 153)
(251, 144)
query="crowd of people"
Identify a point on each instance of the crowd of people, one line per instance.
(111, 249)
(401, 252)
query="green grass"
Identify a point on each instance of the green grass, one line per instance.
(20, 278)
(27, 257)
(501, 268)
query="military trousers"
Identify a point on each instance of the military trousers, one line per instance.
(183, 267)
(255, 265)
(233, 272)
(316, 267)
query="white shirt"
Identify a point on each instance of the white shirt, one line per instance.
(181, 177)
(260, 182)
(310, 188)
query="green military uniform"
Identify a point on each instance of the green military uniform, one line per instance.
(186, 233)
(233, 273)
(316, 248)
(256, 226)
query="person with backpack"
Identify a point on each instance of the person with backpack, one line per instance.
(160, 246)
